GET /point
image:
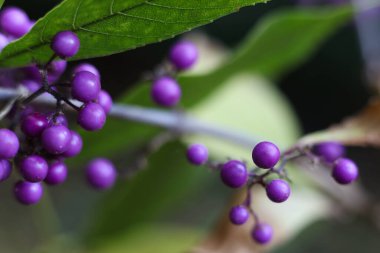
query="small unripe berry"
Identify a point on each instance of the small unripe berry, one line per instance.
(56, 139)
(5, 169)
(166, 91)
(57, 173)
(101, 174)
(278, 190)
(262, 233)
(85, 86)
(65, 44)
(329, 150)
(239, 215)
(197, 154)
(234, 174)
(34, 168)
(91, 117)
(265, 155)
(9, 144)
(183, 55)
(345, 171)
(28, 193)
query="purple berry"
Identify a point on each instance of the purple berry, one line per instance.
(56, 139)
(85, 86)
(34, 168)
(59, 119)
(87, 67)
(57, 173)
(183, 55)
(101, 174)
(278, 190)
(9, 144)
(91, 117)
(329, 150)
(166, 91)
(5, 169)
(34, 124)
(65, 44)
(239, 215)
(4, 41)
(265, 155)
(32, 72)
(105, 101)
(55, 70)
(75, 145)
(31, 85)
(197, 154)
(234, 174)
(28, 193)
(345, 171)
(14, 21)
(262, 233)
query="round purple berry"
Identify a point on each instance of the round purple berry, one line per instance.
(105, 101)
(234, 174)
(85, 86)
(59, 119)
(28, 193)
(183, 55)
(65, 44)
(14, 21)
(87, 67)
(197, 154)
(56, 139)
(75, 145)
(9, 144)
(3, 41)
(91, 117)
(5, 169)
(55, 70)
(101, 174)
(345, 171)
(278, 190)
(34, 124)
(57, 173)
(166, 91)
(265, 155)
(34, 168)
(239, 215)
(329, 150)
(262, 233)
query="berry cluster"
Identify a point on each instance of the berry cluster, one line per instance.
(266, 156)
(38, 141)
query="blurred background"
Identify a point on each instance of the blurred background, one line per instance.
(171, 206)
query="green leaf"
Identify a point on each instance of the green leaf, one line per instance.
(109, 26)
(1, 3)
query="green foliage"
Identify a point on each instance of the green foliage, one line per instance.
(108, 26)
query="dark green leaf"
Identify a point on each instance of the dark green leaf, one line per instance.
(109, 26)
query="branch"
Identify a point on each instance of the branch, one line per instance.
(175, 121)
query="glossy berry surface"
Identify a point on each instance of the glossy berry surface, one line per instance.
(262, 233)
(101, 174)
(5, 169)
(57, 173)
(75, 145)
(183, 55)
(9, 144)
(197, 154)
(65, 44)
(329, 150)
(265, 155)
(105, 101)
(345, 171)
(239, 215)
(56, 139)
(85, 86)
(34, 124)
(92, 117)
(28, 193)
(166, 91)
(234, 174)
(87, 67)
(278, 190)
(34, 168)
(14, 21)
(59, 119)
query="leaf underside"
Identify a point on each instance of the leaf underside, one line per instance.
(111, 26)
